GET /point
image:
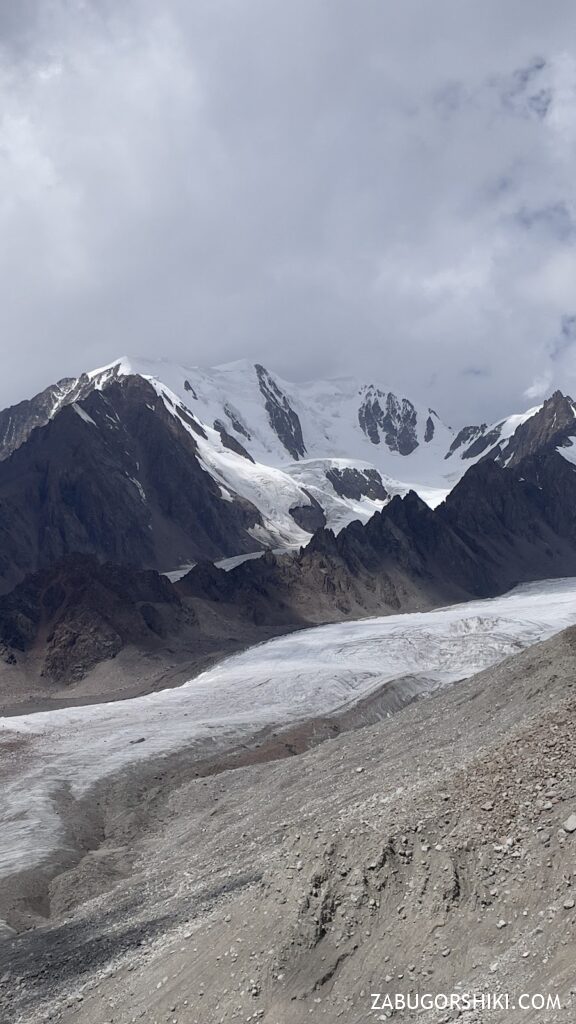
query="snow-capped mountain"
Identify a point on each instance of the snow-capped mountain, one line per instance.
(281, 423)
(118, 475)
(347, 445)
(550, 425)
(284, 458)
(303, 455)
(343, 439)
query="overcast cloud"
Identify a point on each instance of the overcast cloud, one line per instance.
(385, 188)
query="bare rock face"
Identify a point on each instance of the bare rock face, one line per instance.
(236, 422)
(79, 641)
(87, 612)
(309, 517)
(357, 483)
(383, 417)
(372, 568)
(430, 428)
(18, 422)
(230, 442)
(497, 528)
(284, 421)
(553, 426)
(116, 476)
(474, 440)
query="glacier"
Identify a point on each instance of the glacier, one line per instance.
(48, 756)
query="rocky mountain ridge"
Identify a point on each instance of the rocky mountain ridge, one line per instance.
(293, 458)
(547, 426)
(286, 421)
(499, 526)
(118, 476)
(300, 421)
(93, 465)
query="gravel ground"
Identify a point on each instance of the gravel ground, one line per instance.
(431, 852)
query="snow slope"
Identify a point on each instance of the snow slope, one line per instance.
(268, 481)
(473, 443)
(328, 412)
(568, 452)
(45, 756)
(338, 421)
(294, 436)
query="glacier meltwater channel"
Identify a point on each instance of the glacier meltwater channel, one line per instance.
(51, 757)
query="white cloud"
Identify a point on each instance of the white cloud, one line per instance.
(379, 189)
(540, 387)
(554, 283)
(562, 114)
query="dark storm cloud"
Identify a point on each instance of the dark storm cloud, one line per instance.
(379, 189)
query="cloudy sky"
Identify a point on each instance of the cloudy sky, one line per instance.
(386, 189)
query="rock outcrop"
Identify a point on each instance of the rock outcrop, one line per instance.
(116, 476)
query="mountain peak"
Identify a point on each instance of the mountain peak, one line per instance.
(557, 398)
(121, 364)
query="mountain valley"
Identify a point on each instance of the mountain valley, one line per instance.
(280, 664)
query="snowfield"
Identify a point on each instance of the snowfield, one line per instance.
(49, 757)
(333, 437)
(334, 418)
(327, 410)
